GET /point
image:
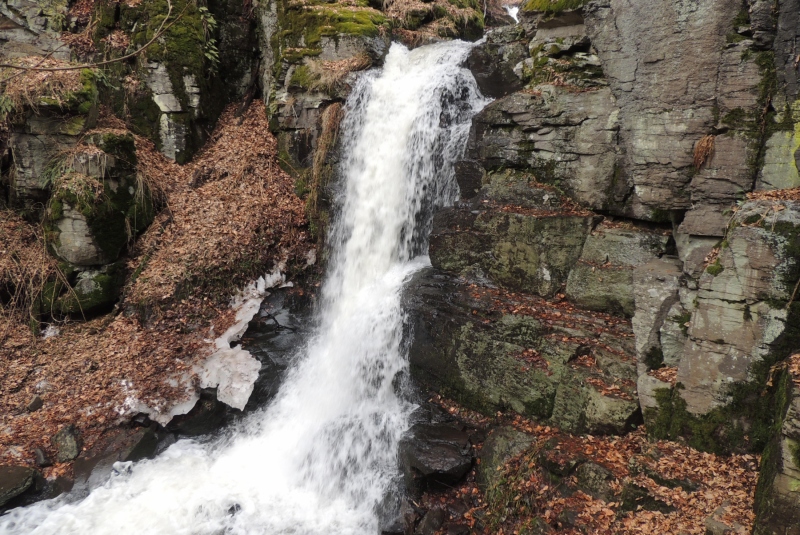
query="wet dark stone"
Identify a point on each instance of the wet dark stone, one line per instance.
(435, 456)
(35, 404)
(432, 521)
(492, 63)
(206, 416)
(15, 480)
(273, 337)
(469, 175)
(94, 467)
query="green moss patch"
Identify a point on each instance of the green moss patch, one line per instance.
(553, 6)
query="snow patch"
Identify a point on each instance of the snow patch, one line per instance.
(231, 370)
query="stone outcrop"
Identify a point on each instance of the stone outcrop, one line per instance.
(777, 502)
(542, 361)
(610, 173)
(741, 302)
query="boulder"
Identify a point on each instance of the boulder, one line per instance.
(94, 467)
(655, 286)
(595, 480)
(492, 62)
(434, 456)
(489, 360)
(431, 522)
(15, 480)
(67, 443)
(777, 500)
(515, 231)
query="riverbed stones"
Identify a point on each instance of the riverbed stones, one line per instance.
(435, 456)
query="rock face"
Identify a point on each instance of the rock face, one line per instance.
(603, 257)
(541, 361)
(777, 502)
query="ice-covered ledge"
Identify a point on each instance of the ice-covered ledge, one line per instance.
(231, 370)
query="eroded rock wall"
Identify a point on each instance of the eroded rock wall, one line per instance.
(635, 172)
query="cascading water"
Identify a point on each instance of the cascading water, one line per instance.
(321, 457)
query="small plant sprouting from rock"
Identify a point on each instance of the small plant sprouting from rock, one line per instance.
(210, 50)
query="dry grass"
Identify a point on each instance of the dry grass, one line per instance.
(25, 267)
(230, 212)
(331, 119)
(20, 89)
(329, 75)
(703, 150)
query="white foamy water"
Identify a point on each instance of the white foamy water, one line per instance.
(321, 458)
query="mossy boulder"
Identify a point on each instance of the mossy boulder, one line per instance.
(467, 348)
(97, 204)
(93, 290)
(777, 500)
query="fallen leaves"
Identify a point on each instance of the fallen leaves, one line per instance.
(206, 242)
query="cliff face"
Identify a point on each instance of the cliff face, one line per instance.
(626, 248)
(627, 204)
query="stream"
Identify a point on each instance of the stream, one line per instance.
(320, 456)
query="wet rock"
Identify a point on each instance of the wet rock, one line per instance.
(35, 404)
(431, 522)
(67, 443)
(469, 175)
(206, 416)
(434, 456)
(94, 467)
(492, 62)
(15, 480)
(500, 446)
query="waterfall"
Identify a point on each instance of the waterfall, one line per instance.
(321, 457)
